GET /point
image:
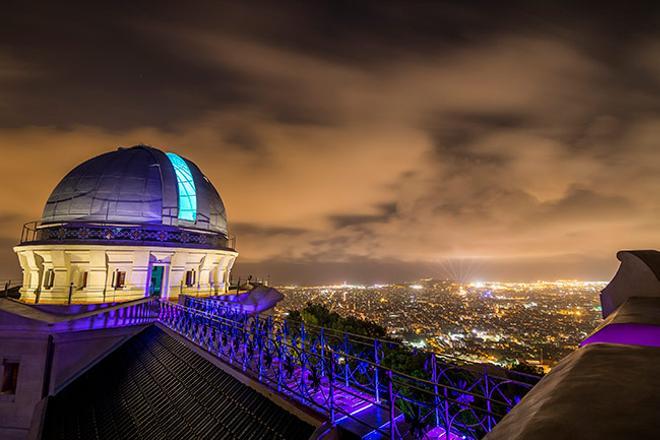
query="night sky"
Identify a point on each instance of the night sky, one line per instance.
(358, 141)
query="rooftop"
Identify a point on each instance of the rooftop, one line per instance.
(154, 387)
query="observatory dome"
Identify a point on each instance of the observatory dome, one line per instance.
(140, 185)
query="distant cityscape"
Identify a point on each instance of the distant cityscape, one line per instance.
(502, 323)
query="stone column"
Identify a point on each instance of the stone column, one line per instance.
(32, 266)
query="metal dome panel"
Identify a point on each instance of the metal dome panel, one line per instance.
(135, 185)
(210, 209)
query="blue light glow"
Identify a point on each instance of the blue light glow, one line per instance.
(187, 193)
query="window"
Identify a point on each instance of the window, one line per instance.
(186, 185)
(118, 279)
(83, 280)
(49, 279)
(190, 278)
(9, 377)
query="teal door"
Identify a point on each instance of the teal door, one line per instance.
(156, 281)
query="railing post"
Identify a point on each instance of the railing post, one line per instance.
(436, 397)
(232, 335)
(280, 372)
(346, 367)
(244, 338)
(391, 397)
(377, 373)
(447, 417)
(488, 405)
(260, 344)
(322, 342)
(303, 357)
(331, 385)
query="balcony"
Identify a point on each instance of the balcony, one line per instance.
(37, 233)
(348, 378)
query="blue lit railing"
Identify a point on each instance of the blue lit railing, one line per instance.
(338, 373)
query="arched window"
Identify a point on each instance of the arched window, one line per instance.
(49, 279)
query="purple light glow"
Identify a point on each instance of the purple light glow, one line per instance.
(628, 334)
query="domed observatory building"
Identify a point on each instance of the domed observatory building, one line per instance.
(127, 224)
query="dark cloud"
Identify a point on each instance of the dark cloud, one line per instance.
(255, 229)
(245, 138)
(386, 137)
(386, 212)
(454, 132)
(584, 204)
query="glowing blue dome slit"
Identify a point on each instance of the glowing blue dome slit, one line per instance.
(186, 184)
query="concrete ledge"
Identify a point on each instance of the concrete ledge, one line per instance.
(600, 391)
(35, 313)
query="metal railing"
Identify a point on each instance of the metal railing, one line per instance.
(29, 232)
(232, 309)
(35, 232)
(325, 368)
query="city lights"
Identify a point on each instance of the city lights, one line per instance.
(505, 323)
